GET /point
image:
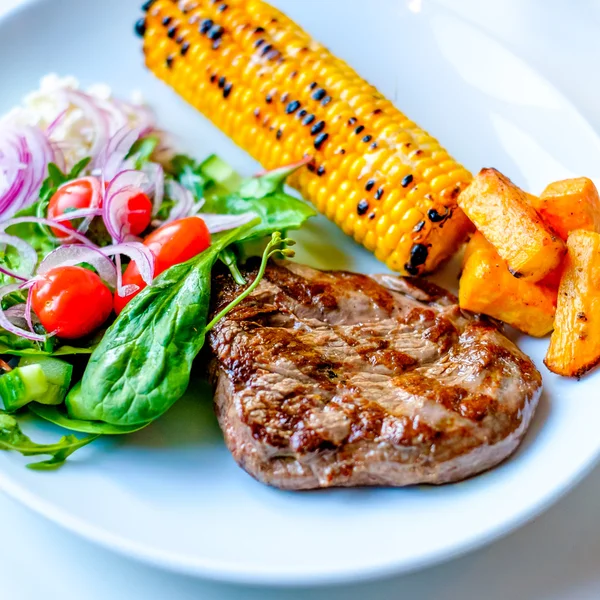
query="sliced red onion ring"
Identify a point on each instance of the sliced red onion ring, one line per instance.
(50, 223)
(79, 214)
(138, 253)
(28, 309)
(156, 189)
(71, 255)
(217, 223)
(114, 209)
(5, 322)
(61, 115)
(27, 254)
(111, 159)
(183, 201)
(24, 156)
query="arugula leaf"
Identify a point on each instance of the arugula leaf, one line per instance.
(143, 149)
(142, 365)
(56, 177)
(12, 438)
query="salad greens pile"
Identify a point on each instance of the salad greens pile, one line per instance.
(127, 375)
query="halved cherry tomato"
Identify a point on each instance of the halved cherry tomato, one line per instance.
(171, 244)
(139, 213)
(74, 195)
(71, 301)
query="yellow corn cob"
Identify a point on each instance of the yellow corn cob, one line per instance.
(281, 96)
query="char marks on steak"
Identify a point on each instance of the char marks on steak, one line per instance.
(339, 379)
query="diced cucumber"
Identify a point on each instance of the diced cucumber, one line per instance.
(43, 379)
(220, 172)
(22, 385)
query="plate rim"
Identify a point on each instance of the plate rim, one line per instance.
(228, 572)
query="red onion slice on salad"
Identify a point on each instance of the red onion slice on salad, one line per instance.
(138, 253)
(88, 214)
(27, 254)
(8, 325)
(156, 189)
(72, 255)
(24, 156)
(183, 201)
(50, 223)
(112, 159)
(118, 193)
(217, 223)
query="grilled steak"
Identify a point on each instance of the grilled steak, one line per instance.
(338, 379)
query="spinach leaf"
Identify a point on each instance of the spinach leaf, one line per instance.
(143, 363)
(56, 415)
(12, 438)
(190, 174)
(56, 178)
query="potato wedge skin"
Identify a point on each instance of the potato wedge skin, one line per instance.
(502, 213)
(569, 205)
(486, 286)
(575, 343)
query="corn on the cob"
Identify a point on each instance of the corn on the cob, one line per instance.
(281, 96)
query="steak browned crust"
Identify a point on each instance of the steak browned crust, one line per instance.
(338, 379)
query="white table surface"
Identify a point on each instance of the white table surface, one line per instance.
(556, 557)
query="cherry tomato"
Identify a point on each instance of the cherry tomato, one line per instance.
(71, 301)
(139, 213)
(171, 244)
(71, 196)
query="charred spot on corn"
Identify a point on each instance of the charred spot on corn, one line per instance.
(292, 107)
(407, 180)
(257, 112)
(319, 94)
(185, 48)
(169, 61)
(419, 226)
(148, 5)
(359, 129)
(515, 274)
(367, 139)
(352, 121)
(259, 30)
(372, 216)
(410, 269)
(172, 32)
(317, 128)
(581, 316)
(293, 74)
(266, 49)
(222, 82)
(301, 113)
(216, 44)
(222, 7)
(326, 101)
(321, 171)
(370, 185)
(279, 133)
(377, 111)
(308, 119)
(227, 89)
(362, 207)
(435, 217)
(205, 26)
(215, 32)
(418, 255)
(313, 85)
(166, 21)
(320, 140)
(269, 98)
(140, 27)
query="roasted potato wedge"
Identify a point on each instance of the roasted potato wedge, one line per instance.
(502, 213)
(568, 205)
(486, 286)
(575, 343)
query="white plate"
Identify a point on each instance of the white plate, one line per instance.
(172, 495)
